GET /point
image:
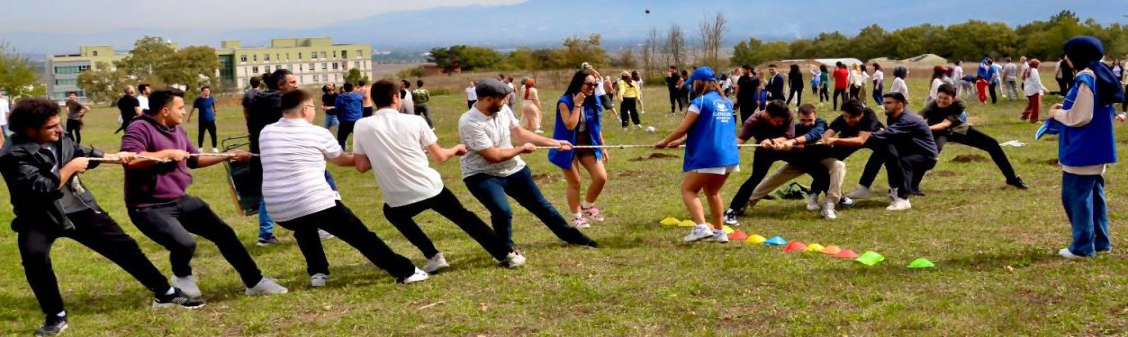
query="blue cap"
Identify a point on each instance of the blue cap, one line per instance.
(704, 74)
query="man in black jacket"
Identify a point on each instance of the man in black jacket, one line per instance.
(908, 148)
(41, 169)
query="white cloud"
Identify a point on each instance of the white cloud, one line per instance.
(91, 16)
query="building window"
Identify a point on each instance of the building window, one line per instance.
(323, 54)
(344, 54)
(254, 70)
(64, 70)
(300, 67)
(359, 53)
(287, 56)
(335, 66)
(95, 53)
(358, 64)
(312, 66)
(266, 57)
(324, 66)
(242, 58)
(255, 57)
(299, 56)
(334, 54)
(266, 68)
(71, 81)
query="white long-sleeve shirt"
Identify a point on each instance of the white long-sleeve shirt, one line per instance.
(1032, 85)
(1078, 115)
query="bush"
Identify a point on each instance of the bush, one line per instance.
(411, 72)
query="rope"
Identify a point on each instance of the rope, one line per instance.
(636, 146)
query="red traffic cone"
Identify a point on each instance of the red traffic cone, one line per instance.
(794, 246)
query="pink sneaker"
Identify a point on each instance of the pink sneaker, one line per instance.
(580, 222)
(593, 213)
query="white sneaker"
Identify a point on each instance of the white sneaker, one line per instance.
(580, 222)
(436, 263)
(187, 285)
(730, 218)
(513, 260)
(266, 286)
(419, 276)
(861, 192)
(215, 150)
(899, 205)
(813, 202)
(847, 202)
(1064, 252)
(699, 232)
(719, 236)
(539, 131)
(318, 280)
(325, 235)
(828, 211)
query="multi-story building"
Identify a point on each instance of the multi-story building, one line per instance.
(312, 60)
(62, 70)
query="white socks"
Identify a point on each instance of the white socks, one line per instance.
(586, 205)
(170, 291)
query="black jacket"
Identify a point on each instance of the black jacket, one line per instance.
(34, 189)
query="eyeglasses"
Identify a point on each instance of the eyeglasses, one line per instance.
(590, 84)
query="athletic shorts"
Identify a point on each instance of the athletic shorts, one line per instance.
(723, 170)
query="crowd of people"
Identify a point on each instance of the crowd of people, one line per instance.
(389, 130)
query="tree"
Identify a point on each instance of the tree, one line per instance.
(465, 58)
(192, 67)
(712, 35)
(650, 51)
(626, 59)
(675, 46)
(103, 83)
(148, 55)
(17, 76)
(578, 50)
(354, 76)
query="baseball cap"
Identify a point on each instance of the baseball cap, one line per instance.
(491, 88)
(704, 74)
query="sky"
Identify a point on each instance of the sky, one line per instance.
(420, 25)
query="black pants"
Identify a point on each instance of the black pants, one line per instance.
(208, 126)
(74, 129)
(991, 89)
(975, 138)
(746, 111)
(366, 111)
(629, 108)
(839, 93)
(447, 205)
(341, 222)
(905, 172)
(343, 132)
(854, 91)
(823, 94)
(171, 224)
(96, 231)
(470, 104)
(761, 162)
(796, 92)
(425, 111)
(1124, 105)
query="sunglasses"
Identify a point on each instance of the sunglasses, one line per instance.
(590, 84)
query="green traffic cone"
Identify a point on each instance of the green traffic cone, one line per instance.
(921, 263)
(870, 258)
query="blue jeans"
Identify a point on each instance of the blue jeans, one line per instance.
(491, 191)
(266, 225)
(1084, 201)
(877, 92)
(5, 130)
(330, 121)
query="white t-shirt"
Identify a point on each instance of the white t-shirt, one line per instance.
(480, 132)
(143, 102)
(471, 94)
(4, 110)
(599, 91)
(394, 143)
(407, 104)
(879, 75)
(293, 165)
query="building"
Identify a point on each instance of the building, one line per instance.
(62, 70)
(312, 60)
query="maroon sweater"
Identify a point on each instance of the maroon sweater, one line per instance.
(160, 183)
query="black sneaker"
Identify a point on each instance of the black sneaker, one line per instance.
(1018, 183)
(267, 242)
(177, 299)
(847, 202)
(52, 326)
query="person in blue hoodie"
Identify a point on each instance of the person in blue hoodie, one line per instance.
(709, 131)
(1086, 145)
(580, 124)
(350, 108)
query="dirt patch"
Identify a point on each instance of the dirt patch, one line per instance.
(969, 158)
(655, 155)
(542, 178)
(631, 174)
(945, 174)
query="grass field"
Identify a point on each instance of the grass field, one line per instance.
(994, 247)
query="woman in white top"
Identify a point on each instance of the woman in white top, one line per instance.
(857, 81)
(878, 83)
(531, 107)
(863, 77)
(899, 74)
(938, 73)
(1033, 88)
(471, 96)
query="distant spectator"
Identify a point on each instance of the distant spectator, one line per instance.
(1033, 88)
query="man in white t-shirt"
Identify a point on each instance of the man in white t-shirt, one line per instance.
(493, 169)
(143, 91)
(5, 109)
(298, 197)
(395, 147)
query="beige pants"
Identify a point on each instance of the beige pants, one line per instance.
(788, 172)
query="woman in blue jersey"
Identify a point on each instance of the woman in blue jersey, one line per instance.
(710, 154)
(580, 124)
(1086, 145)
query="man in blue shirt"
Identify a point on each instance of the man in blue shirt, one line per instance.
(350, 108)
(993, 79)
(206, 104)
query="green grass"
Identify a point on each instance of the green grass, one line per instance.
(994, 247)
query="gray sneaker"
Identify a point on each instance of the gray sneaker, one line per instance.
(187, 285)
(698, 233)
(436, 263)
(266, 286)
(266, 242)
(318, 280)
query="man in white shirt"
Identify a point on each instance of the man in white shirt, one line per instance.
(298, 197)
(5, 109)
(143, 91)
(493, 169)
(395, 147)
